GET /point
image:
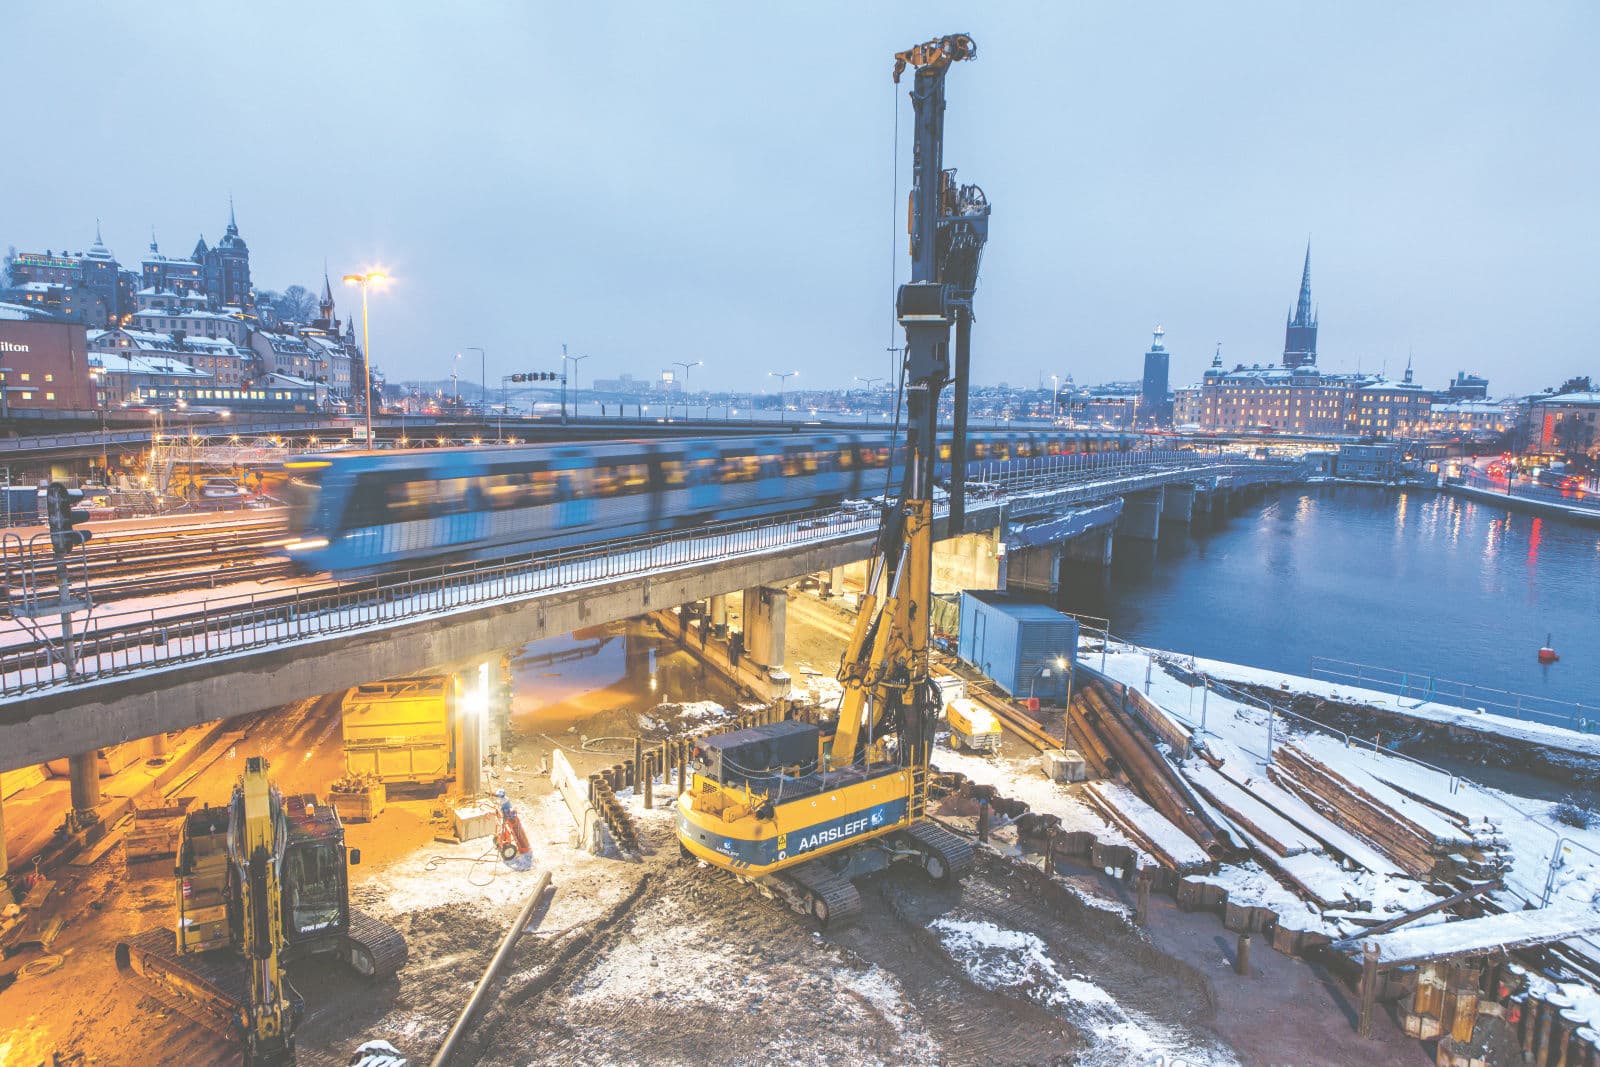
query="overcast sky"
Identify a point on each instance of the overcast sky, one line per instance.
(658, 182)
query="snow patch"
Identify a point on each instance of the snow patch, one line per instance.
(1019, 963)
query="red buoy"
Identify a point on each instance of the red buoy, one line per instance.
(1547, 654)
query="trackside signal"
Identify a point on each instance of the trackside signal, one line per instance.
(62, 513)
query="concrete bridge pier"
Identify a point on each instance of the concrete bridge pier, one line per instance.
(766, 612)
(1201, 505)
(832, 581)
(471, 726)
(1092, 548)
(1177, 505)
(1219, 504)
(719, 615)
(84, 773)
(1037, 568)
(1141, 515)
(970, 561)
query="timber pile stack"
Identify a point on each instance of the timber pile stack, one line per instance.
(1424, 841)
(1148, 829)
(1114, 746)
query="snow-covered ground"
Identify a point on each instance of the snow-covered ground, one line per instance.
(1020, 964)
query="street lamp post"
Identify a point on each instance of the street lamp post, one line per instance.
(686, 368)
(575, 361)
(1055, 397)
(783, 380)
(870, 382)
(366, 280)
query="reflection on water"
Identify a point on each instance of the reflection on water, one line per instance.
(624, 666)
(1426, 583)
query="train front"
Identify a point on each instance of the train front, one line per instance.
(311, 518)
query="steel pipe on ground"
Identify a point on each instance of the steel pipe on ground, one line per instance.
(459, 1030)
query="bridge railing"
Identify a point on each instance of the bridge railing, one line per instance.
(132, 641)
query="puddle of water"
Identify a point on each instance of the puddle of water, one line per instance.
(626, 666)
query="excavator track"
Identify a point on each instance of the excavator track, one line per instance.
(209, 987)
(825, 895)
(373, 948)
(946, 857)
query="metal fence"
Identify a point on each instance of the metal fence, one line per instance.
(1574, 499)
(1429, 688)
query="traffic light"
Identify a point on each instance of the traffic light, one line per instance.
(61, 511)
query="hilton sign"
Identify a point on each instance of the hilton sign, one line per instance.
(8, 346)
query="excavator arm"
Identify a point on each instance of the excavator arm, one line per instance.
(261, 837)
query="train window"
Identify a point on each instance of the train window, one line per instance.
(543, 486)
(944, 452)
(577, 483)
(408, 501)
(674, 473)
(702, 471)
(798, 462)
(740, 467)
(618, 479)
(980, 450)
(847, 457)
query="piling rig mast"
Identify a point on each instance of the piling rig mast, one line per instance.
(799, 810)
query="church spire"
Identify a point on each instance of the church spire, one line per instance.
(233, 225)
(153, 247)
(1303, 314)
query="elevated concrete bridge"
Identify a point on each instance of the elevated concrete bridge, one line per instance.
(138, 674)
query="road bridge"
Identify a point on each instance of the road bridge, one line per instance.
(167, 667)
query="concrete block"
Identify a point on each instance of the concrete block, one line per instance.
(1064, 765)
(474, 820)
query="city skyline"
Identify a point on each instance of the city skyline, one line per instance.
(1453, 236)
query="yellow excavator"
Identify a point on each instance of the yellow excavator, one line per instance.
(801, 809)
(259, 883)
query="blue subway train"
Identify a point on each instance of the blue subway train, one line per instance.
(368, 512)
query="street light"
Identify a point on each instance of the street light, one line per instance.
(686, 367)
(366, 280)
(455, 377)
(1055, 396)
(575, 361)
(870, 383)
(783, 380)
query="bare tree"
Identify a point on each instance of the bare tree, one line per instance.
(299, 304)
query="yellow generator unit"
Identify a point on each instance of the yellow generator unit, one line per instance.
(402, 731)
(972, 726)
